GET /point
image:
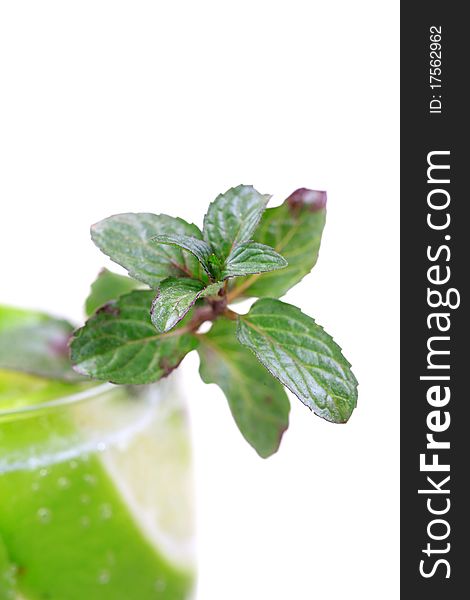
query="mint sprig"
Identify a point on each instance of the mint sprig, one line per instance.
(244, 250)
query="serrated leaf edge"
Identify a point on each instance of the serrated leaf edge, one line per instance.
(311, 405)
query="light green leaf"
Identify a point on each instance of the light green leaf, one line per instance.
(126, 239)
(302, 356)
(108, 286)
(198, 248)
(120, 344)
(174, 299)
(257, 401)
(35, 343)
(250, 258)
(293, 229)
(232, 218)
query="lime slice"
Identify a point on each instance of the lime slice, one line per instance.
(166, 518)
(7, 575)
(19, 389)
(105, 523)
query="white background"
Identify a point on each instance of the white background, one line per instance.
(110, 107)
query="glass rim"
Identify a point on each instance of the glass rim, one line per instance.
(60, 401)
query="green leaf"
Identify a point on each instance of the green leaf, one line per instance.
(120, 344)
(108, 286)
(232, 218)
(174, 299)
(126, 239)
(293, 229)
(252, 257)
(198, 248)
(35, 343)
(302, 356)
(257, 401)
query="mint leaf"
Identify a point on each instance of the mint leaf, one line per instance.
(293, 229)
(252, 257)
(35, 343)
(125, 238)
(232, 218)
(108, 286)
(174, 299)
(120, 344)
(198, 248)
(302, 356)
(258, 402)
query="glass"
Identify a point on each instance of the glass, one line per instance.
(96, 496)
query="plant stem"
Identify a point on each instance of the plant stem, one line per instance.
(235, 293)
(209, 312)
(230, 314)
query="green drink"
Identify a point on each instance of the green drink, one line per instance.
(95, 492)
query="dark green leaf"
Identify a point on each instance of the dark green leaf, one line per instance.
(125, 238)
(35, 343)
(174, 299)
(302, 356)
(293, 229)
(108, 286)
(120, 344)
(232, 218)
(198, 248)
(252, 257)
(258, 402)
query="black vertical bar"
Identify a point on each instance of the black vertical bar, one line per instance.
(423, 246)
